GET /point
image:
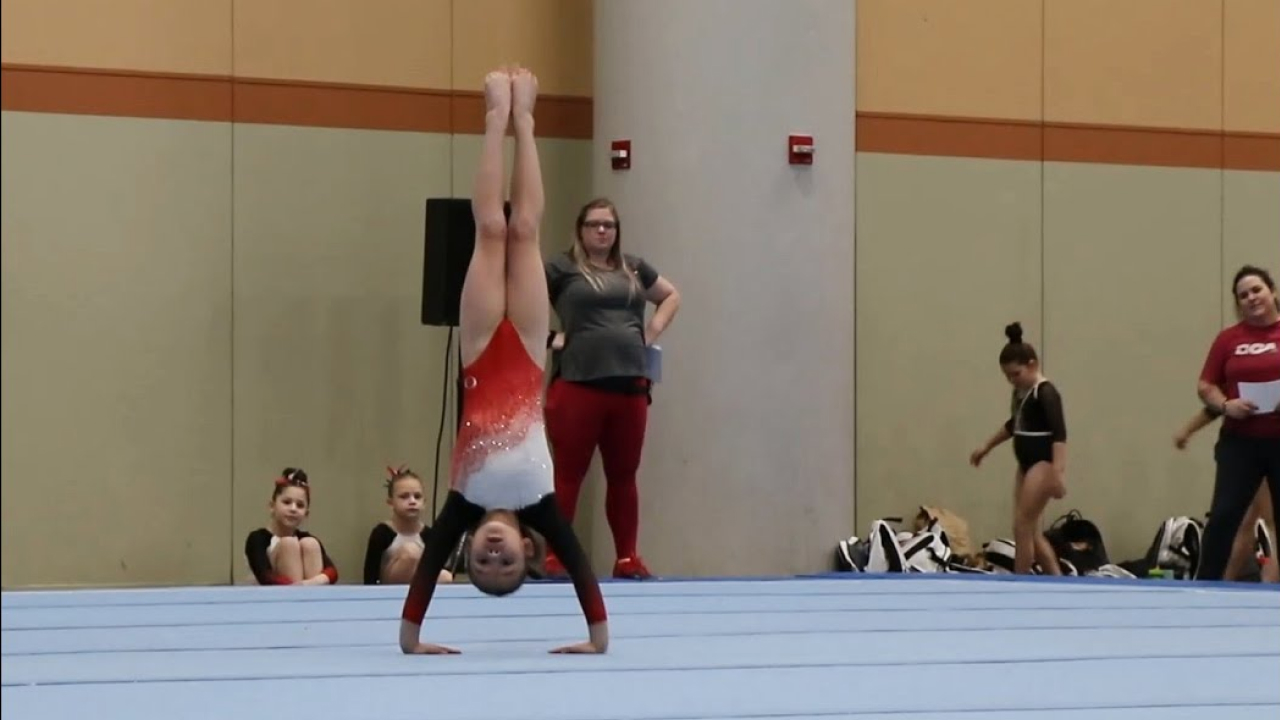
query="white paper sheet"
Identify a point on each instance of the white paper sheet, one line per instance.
(1265, 395)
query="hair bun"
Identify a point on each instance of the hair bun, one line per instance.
(1013, 331)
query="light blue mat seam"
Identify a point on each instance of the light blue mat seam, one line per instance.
(1003, 711)
(72, 599)
(660, 636)
(578, 670)
(532, 616)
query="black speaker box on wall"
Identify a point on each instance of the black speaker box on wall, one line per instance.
(448, 243)
(449, 240)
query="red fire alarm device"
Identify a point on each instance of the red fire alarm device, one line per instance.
(800, 149)
(620, 154)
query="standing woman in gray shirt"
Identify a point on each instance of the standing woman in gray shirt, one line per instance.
(599, 393)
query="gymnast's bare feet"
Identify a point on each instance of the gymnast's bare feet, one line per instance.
(497, 97)
(524, 94)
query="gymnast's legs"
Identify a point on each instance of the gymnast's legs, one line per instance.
(528, 305)
(506, 275)
(483, 302)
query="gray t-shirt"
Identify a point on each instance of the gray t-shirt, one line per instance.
(603, 329)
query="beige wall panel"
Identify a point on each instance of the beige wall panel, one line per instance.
(1131, 303)
(1250, 229)
(1139, 62)
(365, 42)
(333, 372)
(948, 253)
(752, 423)
(183, 36)
(979, 58)
(117, 355)
(1251, 95)
(552, 37)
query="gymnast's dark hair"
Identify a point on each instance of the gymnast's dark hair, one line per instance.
(1016, 351)
(1252, 271)
(292, 477)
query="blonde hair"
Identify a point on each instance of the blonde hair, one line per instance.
(617, 260)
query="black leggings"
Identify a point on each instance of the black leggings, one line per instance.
(1242, 463)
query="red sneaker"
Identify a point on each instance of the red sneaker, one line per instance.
(631, 568)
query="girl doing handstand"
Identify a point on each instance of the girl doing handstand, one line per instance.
(501, 481)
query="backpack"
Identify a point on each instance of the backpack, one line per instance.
(928, 550)
(1262, 536)
(852, 554)
(884, 553)
(955, 527)
(1078, 542)
(1176, 547)
(999, 554)
(876, 553)
(886, 550)
(1263, 553)
(1111, 571)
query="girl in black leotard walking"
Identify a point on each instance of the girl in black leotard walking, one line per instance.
(1038, 428)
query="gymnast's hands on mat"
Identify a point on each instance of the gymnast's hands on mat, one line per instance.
(597, 645)
(582, 648)
(410, 644)
(429, 649)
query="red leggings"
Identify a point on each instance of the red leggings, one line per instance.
(579, 418)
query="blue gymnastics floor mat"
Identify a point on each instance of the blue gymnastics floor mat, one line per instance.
(931, 647)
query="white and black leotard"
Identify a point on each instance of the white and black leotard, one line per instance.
(1036, 422)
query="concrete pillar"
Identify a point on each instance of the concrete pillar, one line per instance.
(749, 459)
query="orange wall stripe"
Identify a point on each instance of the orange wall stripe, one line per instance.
(947, 137)
(80, 91)
(1130, 146)
(313, 104)
(96, 92)
(901, 134)
(1252, 151)
(559, 116)
(269, 102)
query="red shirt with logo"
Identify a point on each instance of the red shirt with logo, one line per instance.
(1246, 353)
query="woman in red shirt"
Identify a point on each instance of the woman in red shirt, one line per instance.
(1248, 447)
(1260, 510)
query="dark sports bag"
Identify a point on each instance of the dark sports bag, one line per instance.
(1078, 541)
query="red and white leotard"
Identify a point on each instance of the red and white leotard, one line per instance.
(502, 461)
(501, 458)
